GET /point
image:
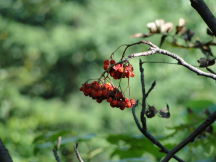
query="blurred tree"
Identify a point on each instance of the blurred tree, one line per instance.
(48, 47)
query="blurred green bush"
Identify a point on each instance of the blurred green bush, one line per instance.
(48, 48)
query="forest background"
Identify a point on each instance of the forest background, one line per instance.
(48, 48)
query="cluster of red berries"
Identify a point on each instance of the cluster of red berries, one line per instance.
(119, 71)
(108, 92)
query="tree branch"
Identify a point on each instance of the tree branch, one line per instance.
(150, 137)
(4, 154)
(191, 137)
(206, 14)
(154, 50)
(142, 114)
(143, 128)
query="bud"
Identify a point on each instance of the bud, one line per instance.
(169, 27)
(159, 22)
(182, 22)
(152, 27)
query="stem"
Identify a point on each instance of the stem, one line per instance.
(150, 89)
(143, 128)
(191, 137)
(56, 155)
(133, 44)
(211, 71)
(154, 50)
(150, 137)
(77, 153)
(142, 114)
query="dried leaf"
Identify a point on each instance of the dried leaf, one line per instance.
(188, 35)
(180, 30)
(164, 113)
(206, 50)
(151, 111)
(205, 62)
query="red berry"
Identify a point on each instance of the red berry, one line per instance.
(106, 67)
(104, 92)
(121, 69)
(122, 108)
(133, 102)
(99, 93)
(114, 103)
(118, 95)
(116, 67)
(112, 62)
(106, 62)
(99, 100)
(109, 100)
(107, 91)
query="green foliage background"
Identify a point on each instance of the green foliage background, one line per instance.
(48, 48)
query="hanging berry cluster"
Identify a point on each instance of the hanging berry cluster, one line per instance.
(108, 92)
(118, 71)
(101, 90)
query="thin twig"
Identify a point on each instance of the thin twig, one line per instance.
(211, 71)
(150, 137)
(189, 46)
(135, 117)
(150, 89)
(156, 50)
(117, 49)
(77, 153)
(133, 44)
(142, 114)
(182, 62)
(191, 137)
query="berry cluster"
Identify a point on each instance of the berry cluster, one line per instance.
(119, 71)
(108, 92)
